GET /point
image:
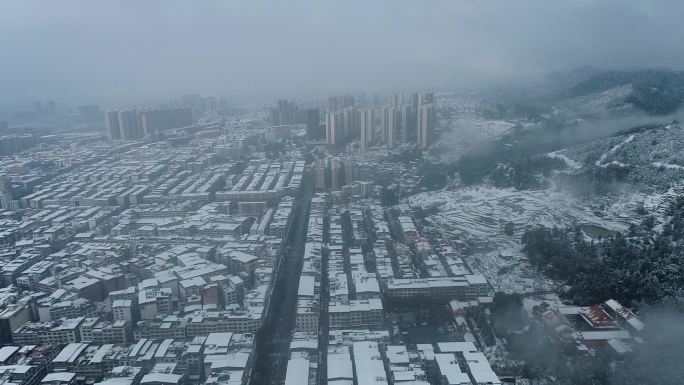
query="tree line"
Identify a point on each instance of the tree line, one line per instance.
(641, 266)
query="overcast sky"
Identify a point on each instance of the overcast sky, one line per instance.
(120, 52)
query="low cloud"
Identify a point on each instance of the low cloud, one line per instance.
(132, 51)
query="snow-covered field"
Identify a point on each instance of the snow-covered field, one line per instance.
(480, 213)
(507, 270)
(572, 164)
(654, 164)
(535, 300)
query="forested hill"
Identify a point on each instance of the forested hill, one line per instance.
(642, 266)
(656, 92)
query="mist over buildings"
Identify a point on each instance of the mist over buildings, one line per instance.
(132, 51)
(223, 192)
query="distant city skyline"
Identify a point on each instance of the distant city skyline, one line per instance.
(139, 52)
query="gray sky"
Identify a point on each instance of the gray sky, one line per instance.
(135, 51)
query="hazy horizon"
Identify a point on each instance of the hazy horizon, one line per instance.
(130, 52)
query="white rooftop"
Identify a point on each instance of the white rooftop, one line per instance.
(297, 371)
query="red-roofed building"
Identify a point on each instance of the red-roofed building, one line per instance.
(598, 318)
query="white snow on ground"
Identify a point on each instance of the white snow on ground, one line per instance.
(624, 207)
(507, 270)
(479, 214)
(612, 162)
(530, 302)
(559, 155)
(667, 165)
(612, 151)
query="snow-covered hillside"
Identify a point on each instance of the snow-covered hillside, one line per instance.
(479, 214)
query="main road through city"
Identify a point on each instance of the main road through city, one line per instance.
(273, 339)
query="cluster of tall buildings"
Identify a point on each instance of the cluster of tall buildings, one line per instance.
(426, 117)
(401, 121)
(336, 103)
(407, 118)
(341, 119)
(135, 124)
(286, 113)
(315, 132)
(333, 172)
(340, 125)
